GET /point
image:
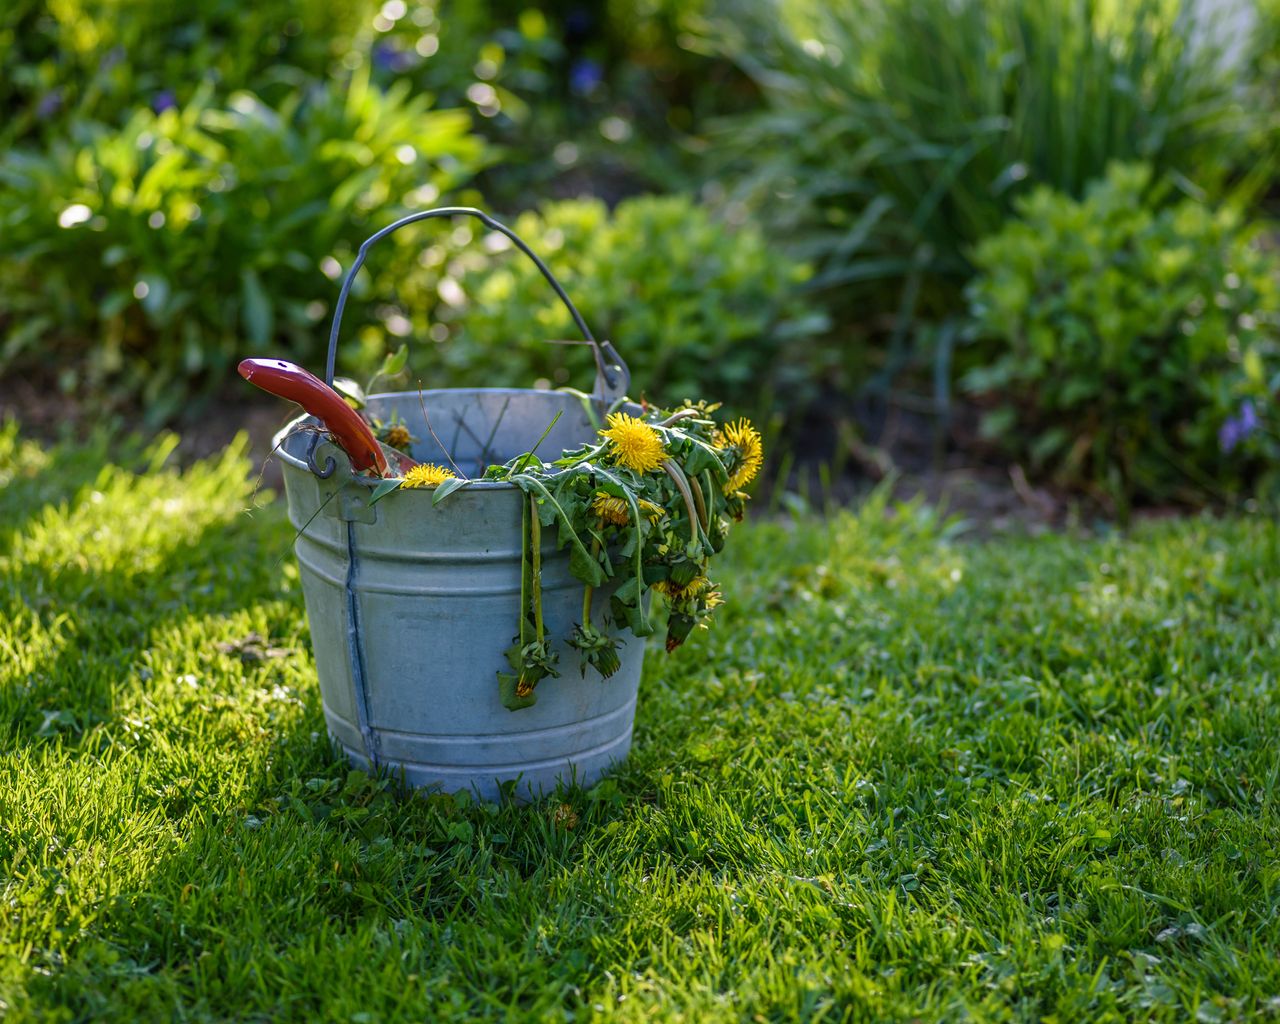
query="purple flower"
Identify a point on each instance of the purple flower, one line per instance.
(388, 57)
(584, 75)
(50, 103)
(383, 55)
(1236, 429)
(163, 100)
(1228, 436)
(1249, 421)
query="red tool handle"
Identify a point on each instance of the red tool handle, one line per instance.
(288, 380)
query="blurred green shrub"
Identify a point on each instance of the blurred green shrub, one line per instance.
(1119, 336)
(696, 307)
(897, 133)
(100, 60)
(618, 78)
(1261, 44)
(608, 93)
(144, 261)
(172, 175)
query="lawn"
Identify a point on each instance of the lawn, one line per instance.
(906, 775)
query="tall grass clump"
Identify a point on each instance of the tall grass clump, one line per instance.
(896, 134)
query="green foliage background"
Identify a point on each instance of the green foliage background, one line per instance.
(695, 306)
(181, 185)
(1118, 337)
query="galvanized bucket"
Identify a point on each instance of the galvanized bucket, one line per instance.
(412, 605)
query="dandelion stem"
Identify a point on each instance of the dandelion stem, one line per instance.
(696, 488)
(524, 577)
(535, 539)
(589, 590)
(676, 417)
(682, 485)
(529, 454)
(430, 430)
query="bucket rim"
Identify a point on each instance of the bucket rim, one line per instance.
(277, 442)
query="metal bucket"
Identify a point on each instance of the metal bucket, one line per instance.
(412, 605)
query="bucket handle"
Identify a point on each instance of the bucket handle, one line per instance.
(612, 376)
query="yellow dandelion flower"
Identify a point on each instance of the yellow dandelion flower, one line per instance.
(426, 475)
(612, 510)
(636, 444)
(651, 511)
(746, 439)
(678, 593)
(398, 436)
(617, 512)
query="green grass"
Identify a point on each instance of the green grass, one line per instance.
(905, 776)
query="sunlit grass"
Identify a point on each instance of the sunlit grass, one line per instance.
(905, 776)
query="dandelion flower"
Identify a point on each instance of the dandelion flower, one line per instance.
(651, 511)
(676, 592)
(636, 444)
(746, 439)
(398, 436)
(617, 512)
(426, 475)
(610, 509)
